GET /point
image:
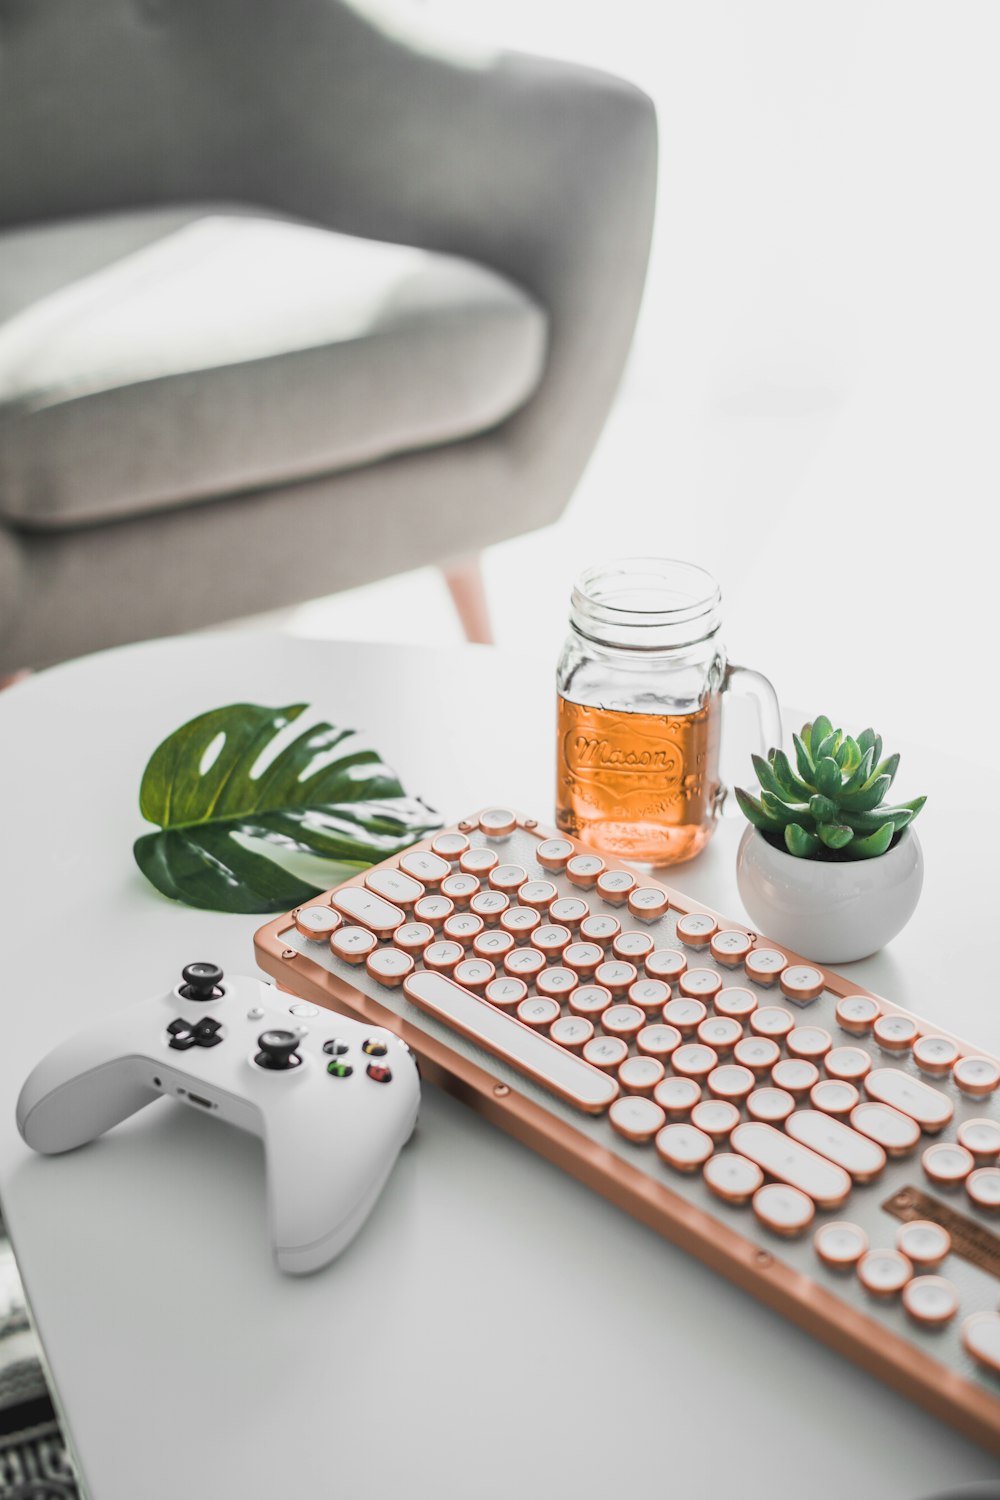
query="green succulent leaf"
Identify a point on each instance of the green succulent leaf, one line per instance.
(783, 812)
(792, 786)
(800, 843)
(319, 796)
(913, 806)
(767, 778)
(866, 739)
(888, 767)
(803, 759)
(861, 773)
(869, 822)
(753, 810)
(827, 777)
(823, 809)
(835, 835)
(875, 843)
(870, 795)
(818, 731)
(848, 757)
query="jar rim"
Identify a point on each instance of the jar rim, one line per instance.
(646, 602)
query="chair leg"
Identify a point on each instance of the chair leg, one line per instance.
(465, 584)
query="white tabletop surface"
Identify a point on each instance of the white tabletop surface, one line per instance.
(495, 1328)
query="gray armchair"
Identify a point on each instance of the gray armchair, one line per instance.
(289, 303)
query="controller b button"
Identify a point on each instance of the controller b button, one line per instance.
(379, 1073)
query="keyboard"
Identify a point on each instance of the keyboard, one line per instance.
(822, 1147)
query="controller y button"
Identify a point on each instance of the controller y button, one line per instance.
(374, 1048)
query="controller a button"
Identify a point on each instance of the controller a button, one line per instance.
(339, 1069)
(335, 1047)
(374, 1048)
(380, 1073)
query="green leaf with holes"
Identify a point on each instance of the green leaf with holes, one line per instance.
(230, 813)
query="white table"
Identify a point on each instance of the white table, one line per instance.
(495, 1328)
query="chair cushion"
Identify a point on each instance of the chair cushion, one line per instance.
(152, 359)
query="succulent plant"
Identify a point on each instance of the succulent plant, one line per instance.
(832, 805)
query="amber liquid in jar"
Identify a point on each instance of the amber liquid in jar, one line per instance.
(644, 787)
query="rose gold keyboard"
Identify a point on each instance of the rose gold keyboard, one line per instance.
(820, 1146)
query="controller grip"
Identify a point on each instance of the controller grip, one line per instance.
(70, 1098)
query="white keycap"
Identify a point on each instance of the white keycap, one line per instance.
(776, 1154)
(367, 909)
(317, 922)
(395, 886)
(636, 1118)
(856, 1153)
(425, 866)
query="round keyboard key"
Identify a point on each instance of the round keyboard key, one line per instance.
(632, 946)
(895, 1033)
(606, 1052)
(524, 962)
(976, 1076)
(583, 869)
(857, 1014)
(430, 869)
(569, 911)
(684, 1147)
(413, 937)
(450, 845)
(464, 927)
(640, 1075)
(928, 1106)
(981, 1339)
(478, 861)
(551, 939)
(590, 1000)
(737, 1003)
(783, 1210)
(537, 893)
(389, 966)
(697, 929)
(935, 1055)
(720, 1032)
(497, 822)
(801, 982)
(930, 1301)
(658, 1040)
(730, 947)
(770, 1106)
(834, 1097)
(895, 1132)
(678, 1096)
(700, 984)
(475, 973)
(924, 1243)
(443, 955)
(460, 888)
(557, 983)
(650, 994)
(946, 1165)
(795, 1074)
(493, 945)
(353, 944)
(983, 1188)
(623, 1020)
(433, 909)
(636, 1118)
(573, 1032)
(490, 905)
(600, 928)
(648, 903)
(849, 1064)
(317, 922)
(809, 1042)
(692, 1060)
(615, 886)
(686, 1015)
(553, 854)
(520, 921)
(772, 1021)
(667, 964)
(763, 965)
(730, 1082)
(506, 992)
(538, 1011)
(884, 1273)
(718, 1118)
(583, 958)
(507, 878)
(982, 1139)
(616, 975)
(732, 1178)
(758, 1053)
(840, 1245)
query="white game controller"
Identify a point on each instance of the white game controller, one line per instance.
(333, 1099)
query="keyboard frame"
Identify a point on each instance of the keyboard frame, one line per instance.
(973, 1409)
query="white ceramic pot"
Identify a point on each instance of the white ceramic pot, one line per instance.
(830, 912)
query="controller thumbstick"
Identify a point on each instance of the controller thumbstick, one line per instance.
(278, 1050)
(201, 981)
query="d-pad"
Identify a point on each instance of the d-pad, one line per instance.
(201, 1034)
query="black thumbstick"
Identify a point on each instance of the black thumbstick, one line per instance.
(201, 981)
(278, 1050)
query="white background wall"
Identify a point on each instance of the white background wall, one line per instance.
(811, 410)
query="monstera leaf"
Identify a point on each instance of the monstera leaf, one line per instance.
(223, 821)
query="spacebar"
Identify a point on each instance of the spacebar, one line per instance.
(574, 1080)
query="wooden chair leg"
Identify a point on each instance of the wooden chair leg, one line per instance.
(465, 584)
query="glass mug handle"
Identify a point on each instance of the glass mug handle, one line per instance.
(747, 683)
